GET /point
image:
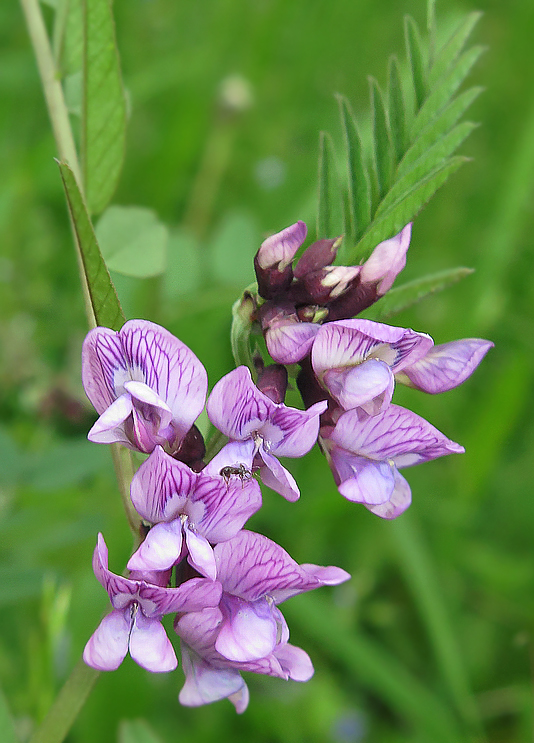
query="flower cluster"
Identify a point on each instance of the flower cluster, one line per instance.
(149, 389)
(195, 559)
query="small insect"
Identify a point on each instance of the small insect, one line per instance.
(240, 471)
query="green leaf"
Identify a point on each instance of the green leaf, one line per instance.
(438, 128)
(104, 107)
(383, 147)
(405, 295)
(136, 731)
(449, 52)
(102, 296)
(6, 723)
(406, 208)
(359, 190)
(427, 163)
(133, 241)
(236, 240)
(416, 59)
(445, 89)
(397, 110)
(68, 37)
(329, 193)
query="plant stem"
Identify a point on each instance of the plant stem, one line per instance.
(67, 705)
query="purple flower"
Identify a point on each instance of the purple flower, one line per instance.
(196, 507)
(135, 622)
(273, 260)
(248, 632)
(355, 360)
(147, 386)
(265, 429)
(446, 366)
(365, 453)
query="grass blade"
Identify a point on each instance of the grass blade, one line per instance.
(405, 295)
(104, 107)
(104, 301)
(416, 59)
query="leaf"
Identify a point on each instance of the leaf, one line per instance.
(436, 129)
(104, 107)
(359, 191)
(397, 110)
(447, 87)
(136, 731)
(68, 37)
(133, 241)
(6, 722)
(416, 59)
(405, 295)
(427, 162)
(383, 147)
(329, 192)
(103, 298)
(406, 208)
(236, 240)
(449, 52)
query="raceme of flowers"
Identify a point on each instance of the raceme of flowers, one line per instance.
(222, 582)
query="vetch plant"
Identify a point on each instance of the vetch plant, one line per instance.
(299, 325)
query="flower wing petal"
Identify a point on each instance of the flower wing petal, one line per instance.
(276, 477)
(160, 549)
(108, 645)
(298, 429)
(149, 645)
(109, 428)
(399, 501)
(236, 406)
(205, 683)
(248, 631)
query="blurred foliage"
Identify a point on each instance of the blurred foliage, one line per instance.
(225, 108)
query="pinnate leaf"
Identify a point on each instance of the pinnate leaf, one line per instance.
(329, 192)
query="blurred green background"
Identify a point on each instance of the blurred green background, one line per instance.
(432, 638)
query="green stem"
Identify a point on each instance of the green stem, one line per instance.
(67, 705)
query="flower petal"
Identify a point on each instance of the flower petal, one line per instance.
(299, 429)
(249, 629)
(108, 645)
(160, 549)
(362, 480)
(445, 366)
(290, 341)
(150, 647)
(205, 683)
(369, 385)
(143, 394)
(280, 249)
(192, 596)
(109, 428)
(161, 486)
(201, 554)
(102, 358)
(295, 661)
(399, 501)
(396, 434)
(387, 260)
(276, 477)
(236, 406)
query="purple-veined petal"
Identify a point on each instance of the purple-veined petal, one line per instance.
(205, 683)
(240, 699)
(236, 406)
(192, 596)
(281, 248)
(445, 366)
(160, 549)
(233, 454)
(328, 575)
(166, 365)
(276, 477)
(102, 358)
(249, 630)
(201, 554)
(108, 645)
(299, 429)
(387, 260)
(362, 480)
(295, 661)
(396, 434)
(149, 645)
(368, 385)
(399, 501)
(109, 428)
(290, 341)
(251, 566)
(115, 585)
(143, 394)
(161, 486)
(349, 342)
